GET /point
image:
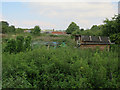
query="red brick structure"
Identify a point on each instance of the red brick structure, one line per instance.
(58, 33)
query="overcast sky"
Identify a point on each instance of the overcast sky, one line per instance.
(57, 15)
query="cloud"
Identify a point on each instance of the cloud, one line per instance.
(59, 15)
(72, 9)
(60, 0)
(42, 24)
(83, 13)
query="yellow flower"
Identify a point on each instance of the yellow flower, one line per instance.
(81, 67)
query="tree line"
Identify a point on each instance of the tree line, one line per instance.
(6, 28)
(110, 28)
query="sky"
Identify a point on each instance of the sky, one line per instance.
(57, 15)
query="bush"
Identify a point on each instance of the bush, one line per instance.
(61, 68)
(53, 35)
(11, 46)
(19, 44)
(115, 38)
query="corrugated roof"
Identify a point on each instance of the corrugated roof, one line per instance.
(85, 38)
(95, 39)
(104, 38)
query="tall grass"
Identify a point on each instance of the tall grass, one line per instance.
(61, 68)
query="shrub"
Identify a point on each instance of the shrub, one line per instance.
(61, 68)
(19, 44)
(11, 46)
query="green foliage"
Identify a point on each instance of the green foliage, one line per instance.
(53, 35)
(19, 45)
(36, 30)
(66, 67)
(6, 28)
(19, 30)
(27, 45)
(71, 28)
(12, 28)
(82, 29)
(115, 38)
(11, 46)
(94, 31)
(111, 26)
(61, 68)
(67, 39)
(77, 32)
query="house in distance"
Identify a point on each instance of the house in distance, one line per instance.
(93, 41)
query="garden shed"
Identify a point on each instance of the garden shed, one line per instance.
(85, 41)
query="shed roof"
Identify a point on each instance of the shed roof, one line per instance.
(94, 39)
(85, 38)
(104, 38)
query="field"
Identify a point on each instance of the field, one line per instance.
(63, 67)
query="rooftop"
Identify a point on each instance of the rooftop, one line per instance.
(94, 39)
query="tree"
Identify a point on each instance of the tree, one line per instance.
(72, 27)
(19, 30)
(77, 32)
(94, 27)
(115, 38)
(12, 28)
(36, 30)
(5, 26)
(111, 26)
(82, 29)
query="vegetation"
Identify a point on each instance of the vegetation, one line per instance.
(19, 30)
(71, 28)
(18, 45)
(25, 66)
(36, 30)
(61, 68)
(115, 38)
(109, 28)
(6, 28)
